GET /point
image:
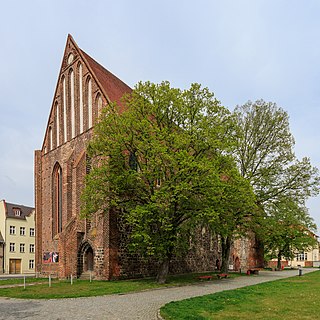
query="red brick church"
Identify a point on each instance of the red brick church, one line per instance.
(66, 244)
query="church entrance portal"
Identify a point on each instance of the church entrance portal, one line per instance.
(85, 259)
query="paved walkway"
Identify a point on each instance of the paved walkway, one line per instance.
(141, 305)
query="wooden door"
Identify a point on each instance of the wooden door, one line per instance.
(14, 266)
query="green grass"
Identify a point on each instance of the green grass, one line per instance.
(83, 288)
(12, 281)
(287, 299)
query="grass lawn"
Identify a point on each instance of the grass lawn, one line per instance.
(83, 288)
(287, 299)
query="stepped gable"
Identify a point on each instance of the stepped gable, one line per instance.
(113, 87)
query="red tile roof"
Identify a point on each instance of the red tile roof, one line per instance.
(113, 86)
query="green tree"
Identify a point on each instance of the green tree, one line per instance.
(265, 156)
(287, 228)
(234, 203)
(155, 162)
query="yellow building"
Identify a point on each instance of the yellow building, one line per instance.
(17, 227)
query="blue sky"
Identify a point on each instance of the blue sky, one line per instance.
(241, 50)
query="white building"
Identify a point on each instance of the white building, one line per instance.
(17, 228)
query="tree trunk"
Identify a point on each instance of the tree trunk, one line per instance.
(225, 253)
(279, 260)
(163, 271)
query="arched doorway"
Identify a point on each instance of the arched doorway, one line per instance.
(85, 259)
(237, 264)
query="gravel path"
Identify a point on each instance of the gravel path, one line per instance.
(141, 305)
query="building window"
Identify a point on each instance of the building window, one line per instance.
(57, 200)
(12, 247)
(99, 104)
(12, 230)
(64, 95)
(31, 232)
(70, 58)
(31, 248)
(80, 98)
(57, 125)
(17, 212)
(71, 87)
(50, 139)
(22, 231)
(22, 246)
(31, 264)
(89, 102)
(302, 256)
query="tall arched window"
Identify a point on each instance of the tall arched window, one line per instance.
(65, 136)
(50, 139)
(80, 98)
(99, 103)
(57, 125)
(71, 84)
(56, 200)
(89, 102)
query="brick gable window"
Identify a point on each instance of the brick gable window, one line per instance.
(57, 200)
(89, 101)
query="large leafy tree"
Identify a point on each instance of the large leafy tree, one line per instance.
(287, 228)
(265, 156)
(234, 204)
(155, 162)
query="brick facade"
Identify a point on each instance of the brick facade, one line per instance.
(99, 244)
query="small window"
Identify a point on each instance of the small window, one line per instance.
(70, 58)
(12, 230)
(17, 212)
(31, 264)
(31, 248)
(22, 246)
(31, 232)
(12, 247)
(22, 231)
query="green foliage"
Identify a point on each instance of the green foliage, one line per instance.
(158, 162)
(265, 154)
(281, 182)
(288, 228)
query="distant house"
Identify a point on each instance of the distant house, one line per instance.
(306, 258)
(17, 238)
(1, 252)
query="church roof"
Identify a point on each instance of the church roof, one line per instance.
(113, 86)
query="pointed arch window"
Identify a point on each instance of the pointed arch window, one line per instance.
(56, 200)
(50, 138)
(64, 96)
(89, 102)
(72, 111)
(80, 97)
(99, 103)
(57, 124)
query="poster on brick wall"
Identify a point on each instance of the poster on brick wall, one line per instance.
(51, 257)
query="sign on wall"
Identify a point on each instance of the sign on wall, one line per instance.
(51, 257)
